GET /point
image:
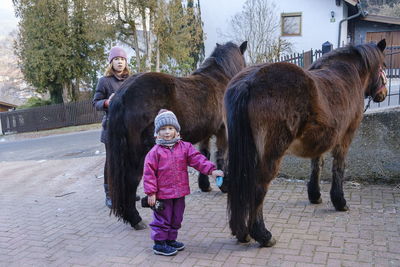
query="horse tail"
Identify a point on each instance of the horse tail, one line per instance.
(123, 157)
(242, 158)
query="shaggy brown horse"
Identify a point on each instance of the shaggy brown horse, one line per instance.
(273, 109)
(197, 101)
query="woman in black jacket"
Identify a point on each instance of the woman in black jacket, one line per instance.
(117, 71)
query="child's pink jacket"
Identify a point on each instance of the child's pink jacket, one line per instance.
(165, 170)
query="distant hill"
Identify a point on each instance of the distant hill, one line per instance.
(8, 21)
(13, 88)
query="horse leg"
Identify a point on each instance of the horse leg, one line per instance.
(132, 213)
(258, 231)
(338, 166)
(204, 183)
(220, 157)
(313, 188)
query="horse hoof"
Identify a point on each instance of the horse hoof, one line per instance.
(270, 243)
(344, 208)
(244, 239)
(140, 226)
(316, 201)
(209, 189)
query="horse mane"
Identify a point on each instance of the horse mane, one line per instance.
(225, 57)
(370, 55)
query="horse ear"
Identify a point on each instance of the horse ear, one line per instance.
(217, 44)
(382, 44)
(243, 47)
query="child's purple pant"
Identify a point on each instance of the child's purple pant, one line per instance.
(166, 223)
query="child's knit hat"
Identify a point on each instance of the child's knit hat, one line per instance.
(165, 117)
(117, 52)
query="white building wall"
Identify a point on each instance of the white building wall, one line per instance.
(316, 25)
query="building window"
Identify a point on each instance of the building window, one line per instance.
(291, 24)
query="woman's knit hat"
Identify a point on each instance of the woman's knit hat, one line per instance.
(165, 117)
(117, 52)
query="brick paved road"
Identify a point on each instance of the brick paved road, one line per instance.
(52, 214)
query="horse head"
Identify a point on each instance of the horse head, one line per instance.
(229, 57)
(377, 89)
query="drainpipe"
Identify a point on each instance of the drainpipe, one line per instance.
(360, 12)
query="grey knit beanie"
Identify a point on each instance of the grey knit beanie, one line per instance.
(165, 117)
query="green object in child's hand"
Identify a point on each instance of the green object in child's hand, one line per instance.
(219, 181)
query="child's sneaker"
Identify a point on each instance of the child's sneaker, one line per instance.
(161, 248)
(176, 245)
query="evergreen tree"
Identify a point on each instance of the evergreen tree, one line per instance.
(89, 33)
(41, 44)
(180, 35)
(195, 25)
(60, 44)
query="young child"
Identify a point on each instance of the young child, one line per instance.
(165, 178)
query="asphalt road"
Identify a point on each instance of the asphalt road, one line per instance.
(71, 145)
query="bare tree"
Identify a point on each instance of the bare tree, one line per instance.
(258, 23)
(134, 20)
(161, 32)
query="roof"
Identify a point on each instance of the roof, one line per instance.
(352, 2)
(382, 19)
(8, 104)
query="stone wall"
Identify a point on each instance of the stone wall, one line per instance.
(374, 154)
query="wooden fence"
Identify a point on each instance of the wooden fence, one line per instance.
(49, 117)
(392, 61)
(303, 60)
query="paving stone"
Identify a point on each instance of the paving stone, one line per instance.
(39, 229)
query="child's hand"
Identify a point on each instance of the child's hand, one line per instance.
(107, 102)
(216, 173)
(111, 96)
(151, 200)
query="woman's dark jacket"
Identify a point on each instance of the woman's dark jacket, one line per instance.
(106, 86)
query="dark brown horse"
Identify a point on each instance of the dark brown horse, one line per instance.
(273, 109)
(197, 101)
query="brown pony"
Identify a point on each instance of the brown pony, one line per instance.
(273, 109)
(196, 100)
